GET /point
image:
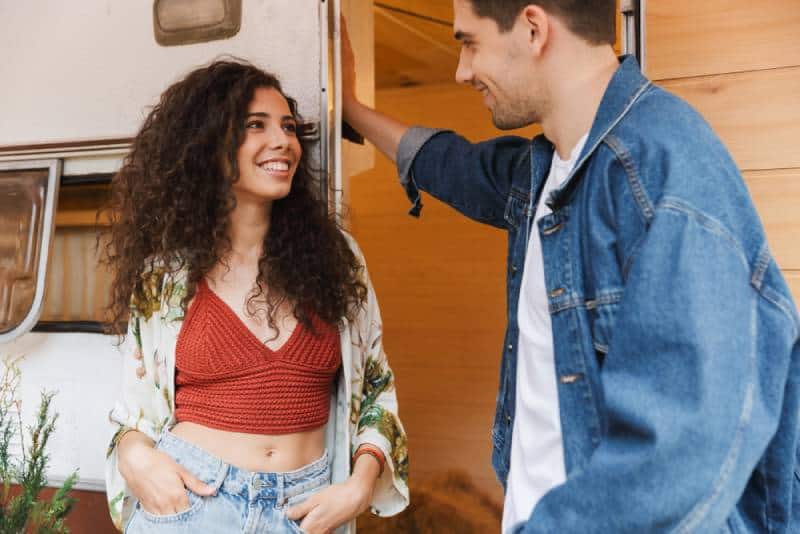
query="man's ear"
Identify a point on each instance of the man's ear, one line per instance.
(536, 22)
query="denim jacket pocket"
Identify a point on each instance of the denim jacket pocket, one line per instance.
(735, 524)
(517, 208)
(602, 312)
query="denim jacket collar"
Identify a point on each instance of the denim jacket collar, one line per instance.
(625, 87)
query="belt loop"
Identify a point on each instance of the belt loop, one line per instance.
(280, 486)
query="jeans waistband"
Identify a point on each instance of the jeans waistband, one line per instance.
(249, 484)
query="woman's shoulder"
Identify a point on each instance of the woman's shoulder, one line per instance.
(163, 282)
(158, 270)
(356, 248)
(352, 243)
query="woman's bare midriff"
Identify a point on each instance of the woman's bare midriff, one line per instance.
(256, 452)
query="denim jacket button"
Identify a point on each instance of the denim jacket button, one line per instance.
(557, 292)
(553, 229)
(510, 347)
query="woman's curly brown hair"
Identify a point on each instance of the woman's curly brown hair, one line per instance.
(171, 201)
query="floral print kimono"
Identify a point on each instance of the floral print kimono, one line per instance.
(363, 406)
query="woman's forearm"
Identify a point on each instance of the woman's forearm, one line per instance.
(366, 472)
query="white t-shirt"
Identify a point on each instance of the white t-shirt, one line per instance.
(537, 450)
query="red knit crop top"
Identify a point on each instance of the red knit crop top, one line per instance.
(226, 378)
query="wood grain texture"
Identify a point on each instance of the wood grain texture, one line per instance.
(412, 51)
(441, 10)
(691, 38)
(85, 218)
(793, 279)
(757, 114)
(440, 281)
(777, 198)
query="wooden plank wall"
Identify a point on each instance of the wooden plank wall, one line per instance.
(440, 279)
(440, 282)
(738, 63)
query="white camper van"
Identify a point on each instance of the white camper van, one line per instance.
(76, 81)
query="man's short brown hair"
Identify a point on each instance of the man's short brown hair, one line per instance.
(593, 20)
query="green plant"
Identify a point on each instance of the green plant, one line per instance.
(21, 509)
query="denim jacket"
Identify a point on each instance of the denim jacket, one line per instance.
(363, 405)
(675, 334)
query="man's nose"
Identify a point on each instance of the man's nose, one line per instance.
(464, 70)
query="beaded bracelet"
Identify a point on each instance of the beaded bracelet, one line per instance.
(373, 451)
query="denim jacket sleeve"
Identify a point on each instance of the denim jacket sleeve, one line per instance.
(473, 178)
(693, 385)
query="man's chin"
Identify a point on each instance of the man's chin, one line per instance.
(505, 121)
(501, 123)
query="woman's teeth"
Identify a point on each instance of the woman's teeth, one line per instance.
(275, 166)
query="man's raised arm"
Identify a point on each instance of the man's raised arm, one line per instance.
(381, 130)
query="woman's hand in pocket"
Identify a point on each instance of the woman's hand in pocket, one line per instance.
(154, 478)
(325, 511)
(339, 503)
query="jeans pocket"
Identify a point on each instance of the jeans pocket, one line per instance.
(195, 503)
(294, 527)
(310, 488)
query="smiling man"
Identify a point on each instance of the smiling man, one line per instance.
(649, 379)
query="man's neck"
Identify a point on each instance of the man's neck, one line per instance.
(575, 96)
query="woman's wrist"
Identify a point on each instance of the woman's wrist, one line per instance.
(366, 471)
(367, 449)
(129, 450)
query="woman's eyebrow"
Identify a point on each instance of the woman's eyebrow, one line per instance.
(267, 115)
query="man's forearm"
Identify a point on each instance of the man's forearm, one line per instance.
(381, 130)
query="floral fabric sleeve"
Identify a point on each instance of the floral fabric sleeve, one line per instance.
(375, 410)
(143, 404)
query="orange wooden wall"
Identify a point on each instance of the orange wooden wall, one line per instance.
(738, 63)
(440, 281)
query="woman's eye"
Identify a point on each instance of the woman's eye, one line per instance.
(290, 127)
(254, 125)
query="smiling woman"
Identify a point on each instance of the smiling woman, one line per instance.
(270, 153)
(254, 363)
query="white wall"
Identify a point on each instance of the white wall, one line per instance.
(88, 69)
(85, 372)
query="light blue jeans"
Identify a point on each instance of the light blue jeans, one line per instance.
(245, 502)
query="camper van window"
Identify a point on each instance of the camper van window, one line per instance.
(77, 288)
(27, 200)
